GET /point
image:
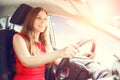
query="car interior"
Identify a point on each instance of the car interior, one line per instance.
(7, 60)
(61, 72)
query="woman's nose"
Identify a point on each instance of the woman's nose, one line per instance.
(43, 20)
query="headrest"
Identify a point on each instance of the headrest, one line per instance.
(20, 14)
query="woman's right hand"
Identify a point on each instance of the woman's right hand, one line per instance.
(69, 52)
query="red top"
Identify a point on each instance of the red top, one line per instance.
(24, 73)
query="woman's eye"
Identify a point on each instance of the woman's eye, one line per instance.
(41, 18)
(38, 18)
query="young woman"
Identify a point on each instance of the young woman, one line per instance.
(32, 47)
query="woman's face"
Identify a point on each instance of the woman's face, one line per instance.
(40, 22)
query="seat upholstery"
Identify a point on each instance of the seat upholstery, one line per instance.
(19, 15)
(7, 60)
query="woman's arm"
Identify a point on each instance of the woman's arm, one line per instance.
(27, 60)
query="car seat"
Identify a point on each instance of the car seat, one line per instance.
(6, 57)
(7, 60)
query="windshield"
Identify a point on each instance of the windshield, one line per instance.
(67, 32)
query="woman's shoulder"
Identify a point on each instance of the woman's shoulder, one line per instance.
(19, 36)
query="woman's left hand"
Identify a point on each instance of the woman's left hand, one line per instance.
(90, 55)
(46, 32)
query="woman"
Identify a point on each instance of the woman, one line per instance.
(32, 47)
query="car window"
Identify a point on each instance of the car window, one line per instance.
(5, 23)
(67, 32)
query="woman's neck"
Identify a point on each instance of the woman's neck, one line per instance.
(37, 37)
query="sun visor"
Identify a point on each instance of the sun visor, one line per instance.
(20, 14)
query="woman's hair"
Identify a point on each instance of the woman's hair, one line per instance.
(27, 28)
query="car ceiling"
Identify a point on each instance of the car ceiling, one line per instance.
(76, 9)
(7, 7)
(52, 6)
(69, 8)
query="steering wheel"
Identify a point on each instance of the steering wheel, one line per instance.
(63, 69)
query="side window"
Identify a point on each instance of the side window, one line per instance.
(5, 24)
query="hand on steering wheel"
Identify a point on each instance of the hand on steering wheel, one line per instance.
(62, 71)
(90, 54)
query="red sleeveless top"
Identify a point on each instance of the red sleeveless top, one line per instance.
(24, 73)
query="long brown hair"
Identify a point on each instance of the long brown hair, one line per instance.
(27, 28)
